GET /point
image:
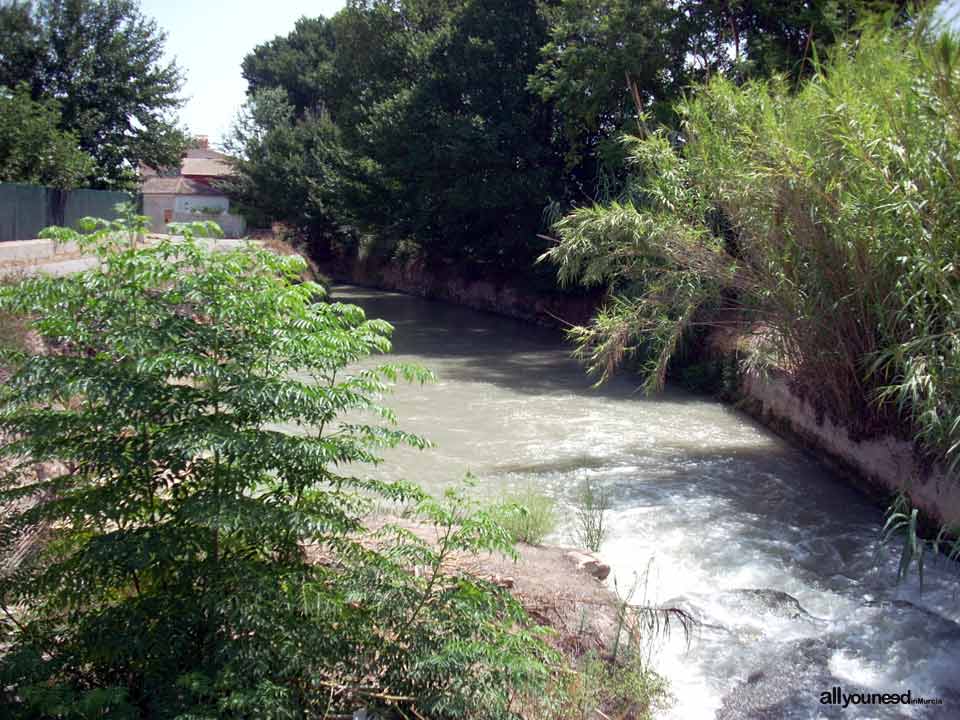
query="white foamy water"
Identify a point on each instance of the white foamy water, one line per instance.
(778, 559)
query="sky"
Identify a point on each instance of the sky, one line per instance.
(950, 9)
(209, 41)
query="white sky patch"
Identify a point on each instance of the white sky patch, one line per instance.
(210, 40)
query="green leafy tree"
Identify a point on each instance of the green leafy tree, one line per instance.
(33, 148)
(301, 63)
(20, 45)
(444, 143)
(477, 142)
(607, 64)
(103, 61)
(287, 169)
(760, 38)
(207, 554)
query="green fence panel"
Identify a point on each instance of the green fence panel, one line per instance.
(25, 210)
(92, 203)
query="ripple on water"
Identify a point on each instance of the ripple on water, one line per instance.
(714, 508)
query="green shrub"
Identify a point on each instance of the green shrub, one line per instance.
(622, 689)
(202, 563)
(530, 515)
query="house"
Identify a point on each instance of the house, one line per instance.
(189, 192)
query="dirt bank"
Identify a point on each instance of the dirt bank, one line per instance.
(560, 587)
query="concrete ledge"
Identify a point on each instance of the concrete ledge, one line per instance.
(24, 250)
(67, 248)
(32, 257)
(881, 466)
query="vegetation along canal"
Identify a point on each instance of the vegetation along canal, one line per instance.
(779, 560)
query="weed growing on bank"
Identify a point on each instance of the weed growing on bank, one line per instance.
(591, 506)
(529, 515)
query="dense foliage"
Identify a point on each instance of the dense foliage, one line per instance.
(439, 144)
(821, 224)
(455, 131)
(205, 554)
(102, 60)
(33, 148)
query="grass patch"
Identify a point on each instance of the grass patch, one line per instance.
(529, 515)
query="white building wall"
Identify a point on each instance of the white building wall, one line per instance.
(158, 207)
(164, 209)
(202, 204)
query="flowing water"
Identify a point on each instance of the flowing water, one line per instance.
(778, 559)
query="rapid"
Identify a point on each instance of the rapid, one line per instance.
(778, 559)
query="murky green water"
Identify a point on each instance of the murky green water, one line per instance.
(727, 519)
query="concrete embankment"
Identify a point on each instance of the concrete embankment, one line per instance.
(496, 295)
(880, 466)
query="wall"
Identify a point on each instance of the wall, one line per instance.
(501, 296)
(181, 209)
(25, 210)
(194, 203)
(233, 226)
(154, 206)
(881, 466)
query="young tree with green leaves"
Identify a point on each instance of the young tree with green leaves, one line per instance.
(102, 60)
(206, 552)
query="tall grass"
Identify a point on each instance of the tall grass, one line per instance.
(591, 506)
(528, 515)
(822, 221)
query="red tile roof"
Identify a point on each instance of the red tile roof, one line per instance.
(196, 162)
(204, 161)
(156, 185)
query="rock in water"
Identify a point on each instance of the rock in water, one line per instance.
(589, 563)
(765, 601)
(788, 688)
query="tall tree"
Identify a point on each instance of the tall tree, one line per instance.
(20, 44)
(300, 63)
(33, 148)
(606, 66)
(606, 61)
(287, 169)
(103, 61)
(449, 147)
(765, 37)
